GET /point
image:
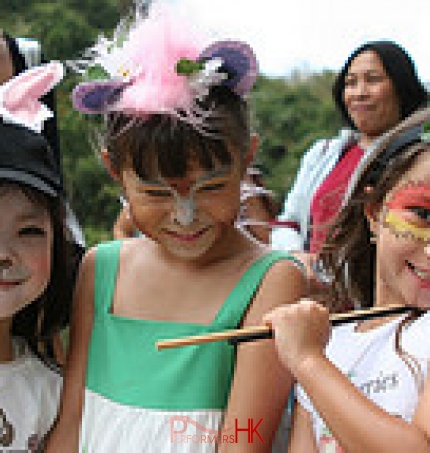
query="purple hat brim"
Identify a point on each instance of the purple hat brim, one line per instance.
(239, 60)
(97, 97)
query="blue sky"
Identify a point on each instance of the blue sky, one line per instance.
(316, 34)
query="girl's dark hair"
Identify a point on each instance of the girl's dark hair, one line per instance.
(40, 321)
(400, 69)
(164, 144)
(348, 255)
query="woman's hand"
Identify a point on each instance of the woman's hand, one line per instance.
(302, 331)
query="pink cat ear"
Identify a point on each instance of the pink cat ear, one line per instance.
(19, 97)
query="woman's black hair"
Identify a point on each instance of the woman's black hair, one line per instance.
(400, 69)
(43, 319)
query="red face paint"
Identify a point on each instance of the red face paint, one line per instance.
(407, 212)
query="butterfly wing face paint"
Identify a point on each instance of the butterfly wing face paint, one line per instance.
(407, 213)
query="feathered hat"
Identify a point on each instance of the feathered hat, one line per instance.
(160, 64)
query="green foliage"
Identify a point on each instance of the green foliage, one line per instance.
(291, 113)
(288, 112)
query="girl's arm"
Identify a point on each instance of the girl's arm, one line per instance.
(356, 422)
(261, 385)
(302, 438)
(64, 437)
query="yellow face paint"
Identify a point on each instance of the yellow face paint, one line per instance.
(407, 213)
(399, 224)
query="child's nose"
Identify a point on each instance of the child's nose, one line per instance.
(184, 211)
(183, 188)
(5, 262)
(6, 255)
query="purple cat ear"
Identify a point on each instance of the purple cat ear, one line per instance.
(97, 97)
(239, 62)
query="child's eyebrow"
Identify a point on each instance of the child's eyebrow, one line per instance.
(214, 174)
(224, 171)
(29, 216)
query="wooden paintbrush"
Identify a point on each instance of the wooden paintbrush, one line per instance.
(265, 332)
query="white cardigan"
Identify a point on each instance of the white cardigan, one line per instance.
(315, 165)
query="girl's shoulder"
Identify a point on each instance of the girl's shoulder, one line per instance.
(275, 264)
(283, 281)
(30, 396)
(108, 251)
(27, 372)
(414, 336)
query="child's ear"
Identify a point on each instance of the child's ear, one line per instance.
(371, 211)
(254, 143)
(109, 166)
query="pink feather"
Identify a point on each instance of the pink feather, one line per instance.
(153, 49)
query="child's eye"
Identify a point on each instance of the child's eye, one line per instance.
(157, 193)
(212, 187)
(32, 231)
(421, 212)
(375, 78)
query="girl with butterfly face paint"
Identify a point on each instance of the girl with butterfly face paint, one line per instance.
(178, 142)
(370, 389)
(36, 262)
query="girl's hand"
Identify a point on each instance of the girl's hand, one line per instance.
(301, 332)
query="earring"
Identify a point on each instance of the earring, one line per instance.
(372, 239)
(126, 206)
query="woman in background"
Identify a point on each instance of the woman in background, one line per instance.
(377, 88)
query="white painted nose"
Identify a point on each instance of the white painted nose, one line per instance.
(184, 210)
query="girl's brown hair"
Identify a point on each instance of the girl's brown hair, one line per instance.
(349, 256)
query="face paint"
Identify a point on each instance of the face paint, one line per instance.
(10, 273)
(184, 215)
(26, 240)
(12, 276)
(407, 213)
(183, 208)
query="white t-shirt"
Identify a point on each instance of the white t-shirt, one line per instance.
(372, 364)
(29, 397)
